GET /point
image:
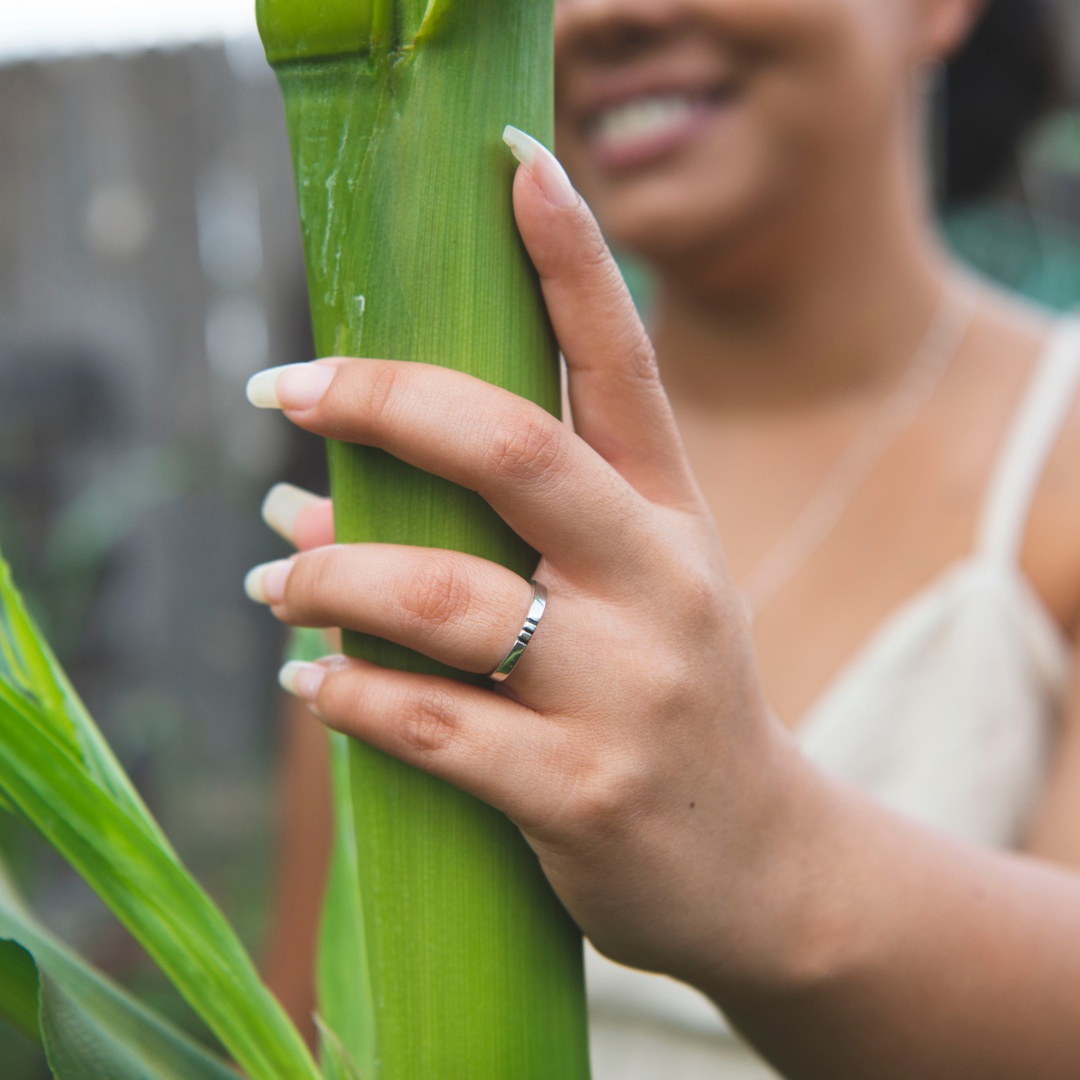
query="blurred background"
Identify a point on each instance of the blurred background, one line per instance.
(149, 263)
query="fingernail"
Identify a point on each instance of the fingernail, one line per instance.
(291, 386)
(282, 507)
(302, 679)
(265, 583)
(543, 165)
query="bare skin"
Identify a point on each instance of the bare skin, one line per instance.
(304, 831)
(795, 283)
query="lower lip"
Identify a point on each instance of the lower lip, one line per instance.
(651, 148)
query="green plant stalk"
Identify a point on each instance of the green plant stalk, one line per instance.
(395, 113)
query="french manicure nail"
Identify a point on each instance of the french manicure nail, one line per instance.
(282, 506)
(302, 679)
(543, 165)
(265, 583)
(291, 386)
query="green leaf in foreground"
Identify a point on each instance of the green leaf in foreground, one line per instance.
(19, 990)
(336, 1061)
(88, 1027)
(342, 974)
(28, 665)
(56, 771)
(347, 1012)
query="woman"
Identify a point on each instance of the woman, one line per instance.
(889, 451)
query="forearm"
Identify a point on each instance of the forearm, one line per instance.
(304, 828)
(890, 951)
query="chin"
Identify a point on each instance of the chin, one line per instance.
(717, 187)
(666, 221)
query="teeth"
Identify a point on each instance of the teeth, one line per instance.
(642, 118)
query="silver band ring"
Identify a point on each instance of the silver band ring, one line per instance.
(532, 621)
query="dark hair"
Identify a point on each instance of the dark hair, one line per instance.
(1007, 76)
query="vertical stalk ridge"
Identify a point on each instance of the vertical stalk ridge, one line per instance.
(404, 189)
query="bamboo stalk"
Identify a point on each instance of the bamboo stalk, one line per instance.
(395, 111)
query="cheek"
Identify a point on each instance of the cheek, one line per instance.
(729, 179)
(826, 80)
(750, 175)
(837, 72)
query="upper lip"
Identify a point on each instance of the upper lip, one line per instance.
(621, 90)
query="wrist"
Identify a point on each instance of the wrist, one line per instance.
(777, 923)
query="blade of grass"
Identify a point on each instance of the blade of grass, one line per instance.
(55, 769)
(342, 977)
(28, 664)
(343, 973)
(19, 990)
(88, 1026)
(336, 1061)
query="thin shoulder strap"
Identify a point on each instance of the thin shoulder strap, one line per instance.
(1032, 435)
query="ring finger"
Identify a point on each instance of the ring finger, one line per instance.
(455, 608)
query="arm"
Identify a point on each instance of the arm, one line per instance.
(678, 823)
(1056, 835)
(304, 829)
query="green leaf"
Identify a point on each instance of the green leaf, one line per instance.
(57, 771)
(433, 14)
(89, 1028)
(19, 990)
(29, 667)
(336, 1062)
(342, 974)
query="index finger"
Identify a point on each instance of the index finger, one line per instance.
(545, 482)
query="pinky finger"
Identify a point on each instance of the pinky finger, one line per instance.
(480, 741)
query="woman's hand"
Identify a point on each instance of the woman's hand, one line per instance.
(674, 818)
(625, 743)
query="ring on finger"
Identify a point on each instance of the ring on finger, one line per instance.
(532, 621)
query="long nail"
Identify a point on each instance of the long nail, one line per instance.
(291, 386)
(265, 583)
(543, 165)
(302, 679)
(283, 505)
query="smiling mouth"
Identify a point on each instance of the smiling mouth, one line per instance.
(648, 126)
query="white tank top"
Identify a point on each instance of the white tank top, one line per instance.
(947, 714)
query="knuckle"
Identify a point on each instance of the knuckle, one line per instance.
(610, 794)
(597, 255)
(430, 721)
(674, 688)
(311, 581)
(380, 390)
(437, 593)
(527, 445)
(693, 588)
(696, 595)
(632, 345)
(641, 358)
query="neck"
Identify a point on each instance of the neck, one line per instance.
(833, 303)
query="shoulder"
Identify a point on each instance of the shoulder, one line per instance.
(1021, 335)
